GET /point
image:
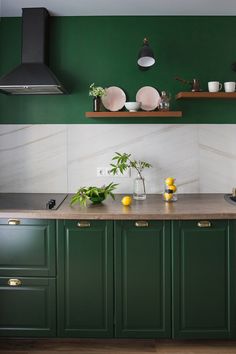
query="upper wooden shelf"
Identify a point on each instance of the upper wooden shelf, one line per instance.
(218, 95)
(121, 114)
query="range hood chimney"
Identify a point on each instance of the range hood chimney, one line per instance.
(33, 76)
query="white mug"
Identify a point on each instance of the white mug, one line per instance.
(229, 86)
(214, 86)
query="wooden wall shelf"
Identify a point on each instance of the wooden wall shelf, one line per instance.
(121, 114)
(207, 95)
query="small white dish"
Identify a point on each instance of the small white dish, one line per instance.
(132, 106)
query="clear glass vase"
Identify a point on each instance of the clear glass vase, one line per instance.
(139, 189)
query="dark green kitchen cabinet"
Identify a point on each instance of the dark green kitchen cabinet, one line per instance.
(85, 278)
(27, 307)
(204, 279)
(27, 247)
(27, 278)
(142, 279)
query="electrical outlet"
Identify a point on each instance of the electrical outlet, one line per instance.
(101, 172)
(105, 172)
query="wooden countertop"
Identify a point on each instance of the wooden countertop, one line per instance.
(188, 206)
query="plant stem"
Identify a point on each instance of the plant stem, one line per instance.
(140, 176)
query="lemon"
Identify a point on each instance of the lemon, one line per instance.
(126, 200)
(169, 181)
(172, 188)
(168, 196)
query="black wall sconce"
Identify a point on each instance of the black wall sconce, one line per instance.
(146, 56)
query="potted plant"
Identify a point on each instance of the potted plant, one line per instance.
(95, 194)
(124, 161)
(96, 92)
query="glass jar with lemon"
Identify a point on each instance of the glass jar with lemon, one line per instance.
(170, 189)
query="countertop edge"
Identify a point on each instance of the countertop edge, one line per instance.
(187, 207)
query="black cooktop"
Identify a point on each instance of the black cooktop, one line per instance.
(31, 201)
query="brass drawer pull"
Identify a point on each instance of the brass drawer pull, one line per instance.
(14, 282)
(13, 222)
(141, 223)
(83, 224)
(204, 223)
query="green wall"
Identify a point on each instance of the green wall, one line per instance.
(104, 50)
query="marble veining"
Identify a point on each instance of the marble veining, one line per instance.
(62, 158)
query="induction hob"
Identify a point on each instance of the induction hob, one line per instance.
(31, 201)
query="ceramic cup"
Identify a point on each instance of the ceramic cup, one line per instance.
(229, 86)
(214, 86)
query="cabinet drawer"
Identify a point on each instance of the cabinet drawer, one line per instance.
(27, 248)
(28, 308)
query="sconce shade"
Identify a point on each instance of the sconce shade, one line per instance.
(146, 55)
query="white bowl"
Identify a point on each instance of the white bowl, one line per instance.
(132, 106)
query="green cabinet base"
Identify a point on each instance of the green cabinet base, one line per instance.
(27, 310)
(203, 279)
(142, 279)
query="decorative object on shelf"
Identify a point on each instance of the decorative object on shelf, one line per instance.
(96, 92)
(114, 99)
(149, 98)
(123, 162)
(164, 104)
(195, 84)
(214, 86)
(97, 104)
(170, 189)
(146, 56)
(132, 106)
(95, 194)
(229, 86)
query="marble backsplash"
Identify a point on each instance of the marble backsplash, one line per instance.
(62, 158)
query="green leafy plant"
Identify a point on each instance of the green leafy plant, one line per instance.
(124, 161)
(96, 91)
(95, 194)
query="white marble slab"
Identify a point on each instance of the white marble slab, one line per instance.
(217, 158)
(171, 149)
(33, 158)
(62, 158)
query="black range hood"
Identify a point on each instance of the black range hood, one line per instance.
(33, 76)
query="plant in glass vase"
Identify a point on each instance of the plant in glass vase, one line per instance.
(124, 161)
(96, 92)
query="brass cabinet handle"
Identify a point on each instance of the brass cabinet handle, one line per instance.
(83, 224)
(13, 222)
(14, 282)
(141, 223)
(204, 223)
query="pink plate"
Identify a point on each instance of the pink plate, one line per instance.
(148, 97)
(114, 99)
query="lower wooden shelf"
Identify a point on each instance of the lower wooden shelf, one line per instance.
(120, 114)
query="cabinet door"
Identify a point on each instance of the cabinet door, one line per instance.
(203, 279)
(27, 248)
(85, 279)
(142, 279)
(27, 307)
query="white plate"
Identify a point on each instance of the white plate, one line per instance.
(148, 97)
(114, 99)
